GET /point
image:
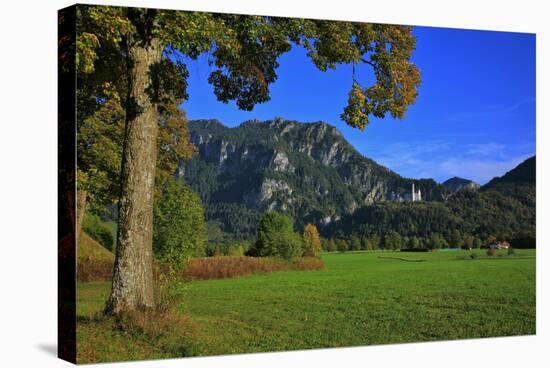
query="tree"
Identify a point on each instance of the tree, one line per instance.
(331, 246)
(217, 251)
(355, 243)
(477, 243)
(468, 241)
(456, 240)
(376, 241)
(392, 240)
(342, 245)
(179, 226)
(413, 242)
(244, 52)
(369, 245)
(214, 232)
(312, 241)
(436, 241)
(276, 237)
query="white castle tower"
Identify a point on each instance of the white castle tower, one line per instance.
(416, 196)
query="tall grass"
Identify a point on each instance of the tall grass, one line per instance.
(232, 266)
(90, 270)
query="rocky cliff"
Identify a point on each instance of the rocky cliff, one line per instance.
(456, 183)
(305, 169)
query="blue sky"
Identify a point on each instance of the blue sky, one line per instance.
(474, 116)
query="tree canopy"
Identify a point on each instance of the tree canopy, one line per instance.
(179, 226)
(244, 51)
(276, 237)
(312, 241)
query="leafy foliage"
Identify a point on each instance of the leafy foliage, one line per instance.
(245, 49)
(98, 230)
(179, 226)
(342, 245)
(100, 150)
(312, 241)
(356, 111)
(276, 237)
(99, 146)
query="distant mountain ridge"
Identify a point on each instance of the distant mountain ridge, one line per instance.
(307, 170)
(457, 183)
(524, 173)
(519, 183)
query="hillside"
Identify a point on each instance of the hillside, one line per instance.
(89, 249)
(524, 173)
(94, 262)
(504, 208)
(307, 170)
(518, 183)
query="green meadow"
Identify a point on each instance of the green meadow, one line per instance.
(360, 298)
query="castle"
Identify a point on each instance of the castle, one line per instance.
(416, 196)
(413, 196)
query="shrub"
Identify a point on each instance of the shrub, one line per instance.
(491, 252)
(179, 229)
(276, 237)
(235, 250)
(288, 245)
(473, 255)
(98, 230)
(312, 241)
(511, 251)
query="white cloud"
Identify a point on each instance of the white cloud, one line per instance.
(442, 160)
(486, 149)
(492, 112)
(481, 170)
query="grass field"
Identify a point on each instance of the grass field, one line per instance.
(358, 299)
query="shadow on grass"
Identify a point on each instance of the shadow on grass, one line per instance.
(403, 259)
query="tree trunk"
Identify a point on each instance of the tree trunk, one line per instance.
(133, 271)
(80, 210)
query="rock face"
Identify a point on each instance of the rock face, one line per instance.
(456, 184)
(305, 169)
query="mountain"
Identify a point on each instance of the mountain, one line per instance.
(518, 183)
(524, 173)
(307, 170)
(504, 208)
(456, 183)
